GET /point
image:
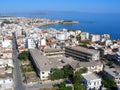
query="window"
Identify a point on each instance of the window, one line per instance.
(10, 80)
(43, 72)
(97, 83)
(89, 83)
(94, 83)
(3, 81)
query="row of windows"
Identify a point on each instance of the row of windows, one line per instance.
(5, 81)
(95, 83)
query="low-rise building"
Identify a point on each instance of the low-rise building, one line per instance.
(6, 62)
(91, 81)
(95, 37)
(6, 55)
(113, 73)
(6, 83)
(91, 66)
(30, 43)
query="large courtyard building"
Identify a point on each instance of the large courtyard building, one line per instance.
(40, 63)
(82, 54)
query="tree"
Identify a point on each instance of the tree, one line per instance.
(78, 76)
(56, 74)
(78, 79)
(63, 87)
(65, 72)
(71, 36)
(62, 84)
(68, 72)
(109, 83)
(5, 22)
(79, 87)
(83, 70)
(23, 55)
(66, 88)
(110, 64)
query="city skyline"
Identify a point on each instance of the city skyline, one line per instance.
(25, 6)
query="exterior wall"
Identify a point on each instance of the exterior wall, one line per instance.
(43, 42)
(81, 55)
(44, 75)
(62, 36)
(6, 82)
(7, 44)
(84, 36)
(95, 38)
(2, 71)
(96, 56)
(35, 66)
(54, 54)
(97, 68)
(117, 80)
(93, 84)
(30, 44)
(6, 55)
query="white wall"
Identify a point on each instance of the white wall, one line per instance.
(44, 75)
(94, 84)
(96, 56)
(30, 44)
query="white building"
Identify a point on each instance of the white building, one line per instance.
(95, 37)
(6, 83)
(84, 36)
(117, 56)
(6, 62)
(91, 66)
(30, 43)
(106, 36)
(91, 81)
(43, 42)
(62, 35)
(108, 42)
(7, 44)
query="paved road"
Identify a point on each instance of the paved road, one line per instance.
(17, 71)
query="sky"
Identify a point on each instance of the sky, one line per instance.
(20, 6)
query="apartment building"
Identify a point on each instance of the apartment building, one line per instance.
(82, 54)
(95, 37)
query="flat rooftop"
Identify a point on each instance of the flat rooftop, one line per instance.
(114, 72)
(41, 61)
(90, 76)
(84, 50)
(58, 62)
(53, 50)
(77, 64)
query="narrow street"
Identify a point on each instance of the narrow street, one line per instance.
(18, 83)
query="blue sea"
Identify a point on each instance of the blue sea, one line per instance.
(96, 23)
